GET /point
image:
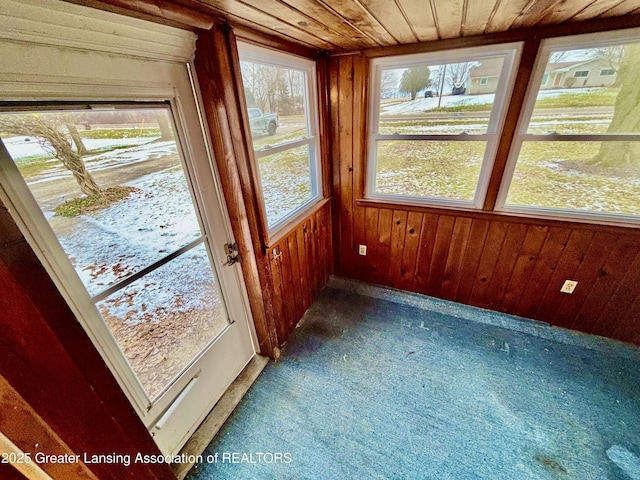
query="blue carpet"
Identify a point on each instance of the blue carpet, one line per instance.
(373, 389)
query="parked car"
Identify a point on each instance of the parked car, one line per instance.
(429, 94)
(263, 122)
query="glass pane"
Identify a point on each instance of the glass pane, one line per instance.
(112, 187)
(589, 91)
(286, 182)
(121, 205)
(276, 101)
(439, 99)
(578, 176)
(441, 169)
(164, 319)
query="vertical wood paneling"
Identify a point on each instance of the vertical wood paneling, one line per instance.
(566, 268)
(551, 252)
(523, 269)
(605, 285)
(589, 269)
(345, 167)
(385, 224)
(506, 263)
(398, 231)
(304, 283)
(615, 313)
(479, 229)
(455, 258)
(371, 240)
(292, 245)
(409, 264)
(288, 296)
(480, 293)
(441, 247)
(335, 65)
(425, 251)
(615, 318)
(280, 318)
(300, 268)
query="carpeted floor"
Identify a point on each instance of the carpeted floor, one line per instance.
(369, 388)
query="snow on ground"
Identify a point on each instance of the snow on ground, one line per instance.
(421, 104)
(24, 146)
(110, 244)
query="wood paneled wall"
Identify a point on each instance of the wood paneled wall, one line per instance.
(300, 265)
(504, 263)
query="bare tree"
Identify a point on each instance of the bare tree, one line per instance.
(458, 73)
(389, 83)
(54, 136)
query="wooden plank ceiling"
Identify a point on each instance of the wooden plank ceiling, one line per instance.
(347, 25)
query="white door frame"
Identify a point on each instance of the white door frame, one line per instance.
(55, 51)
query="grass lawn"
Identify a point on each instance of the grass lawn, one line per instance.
(429, 169)
(560, 175)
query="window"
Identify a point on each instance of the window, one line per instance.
(581, 73)
(607, 72)
(280, 91)
(577, 151)
(484, 81)
(438, 148)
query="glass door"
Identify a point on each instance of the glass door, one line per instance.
(109, 195)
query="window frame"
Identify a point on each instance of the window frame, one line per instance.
(586, 73)
(547, 46)
(267, 56)
(506, 81)
(612, 70)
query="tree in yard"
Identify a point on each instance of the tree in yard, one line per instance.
(458, 73)
(626, 113)
(388, 83)
(53, 134)
(414, 79)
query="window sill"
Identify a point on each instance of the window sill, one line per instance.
(286, 228)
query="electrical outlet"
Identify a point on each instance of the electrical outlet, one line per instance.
(362, 250)
(569, 286)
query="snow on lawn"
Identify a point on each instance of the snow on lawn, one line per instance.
(24, 146)
(110, 244)
(420, 104)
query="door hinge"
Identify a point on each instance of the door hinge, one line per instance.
(233, 256)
